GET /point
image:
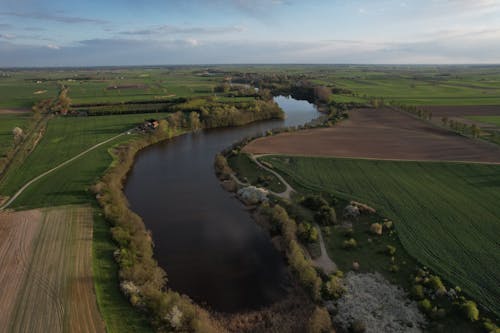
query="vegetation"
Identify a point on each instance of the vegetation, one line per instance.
(460, 198)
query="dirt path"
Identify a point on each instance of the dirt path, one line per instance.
(25, 186)
(323, 261)
(288, 191)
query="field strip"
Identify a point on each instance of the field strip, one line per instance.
(370, 159)
(25, 186)
(50, 253)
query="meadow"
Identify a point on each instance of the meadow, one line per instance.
(7, 123)
(494, 120)
(446, 214)
(67, 137)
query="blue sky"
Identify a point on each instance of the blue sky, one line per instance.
(127, 32)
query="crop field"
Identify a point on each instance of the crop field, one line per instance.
(446, 214)
(379, 134)
(65, 138)
(417, 85)
(46, 258)
(494, 120)
(7, 123)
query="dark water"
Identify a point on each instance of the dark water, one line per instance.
(207, 243)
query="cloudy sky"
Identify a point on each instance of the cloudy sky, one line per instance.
(145, 32)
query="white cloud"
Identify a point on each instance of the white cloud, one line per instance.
(53, 47)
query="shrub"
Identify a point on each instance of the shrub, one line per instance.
(376, 229)
(333, 288)
(313, 202)
(350, 244)
(425, 305)
(307, 232)
(390, 250)
(417, 291)
(470, 310)
(320, 321)
(394, 268)
(438, 286)
(326, 215)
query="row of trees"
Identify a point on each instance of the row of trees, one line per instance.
(460, 127)
(142, 280)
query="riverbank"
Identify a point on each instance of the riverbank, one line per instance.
(142, 280)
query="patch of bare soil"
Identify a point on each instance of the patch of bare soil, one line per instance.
(379, 134)
(18, 231)
(462, 111)
(14, 111)
(47, 256)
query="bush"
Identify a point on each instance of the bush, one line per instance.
(320, 321)
(436, 284)
(390, 250)
(333, 288)
(326, 215)
(470, 310)
(350, 244)
(425, 305)
(307, 233)
(313, 202)
(376, 229)
(417, 292)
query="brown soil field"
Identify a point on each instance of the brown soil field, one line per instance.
(14, 111)
(379, 134)
(46, 260)
(462, 111)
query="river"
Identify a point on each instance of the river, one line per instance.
(204, 238)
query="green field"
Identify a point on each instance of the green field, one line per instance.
(446, 214)
(7, 124)
(494, 120)
(253, 174)
(65, 138)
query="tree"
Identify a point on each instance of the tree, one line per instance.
(470, 310)
(194, 121)
(322, 94)
(18, 134)
(326, 215)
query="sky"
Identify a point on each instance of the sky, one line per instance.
(156, 32)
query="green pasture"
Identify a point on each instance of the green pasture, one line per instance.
(446, 214)
(494, 120)
(65, 138)
(7, 124)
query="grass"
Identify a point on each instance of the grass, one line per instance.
(115, 309)
(250, 172)
(65, 138)
(7, 124)
(446, 214)
(494, 120)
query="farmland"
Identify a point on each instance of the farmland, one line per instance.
(47, 271)
(379, 134)
(7, 122)
(65, 138)
(446, 214)
(494, 120)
